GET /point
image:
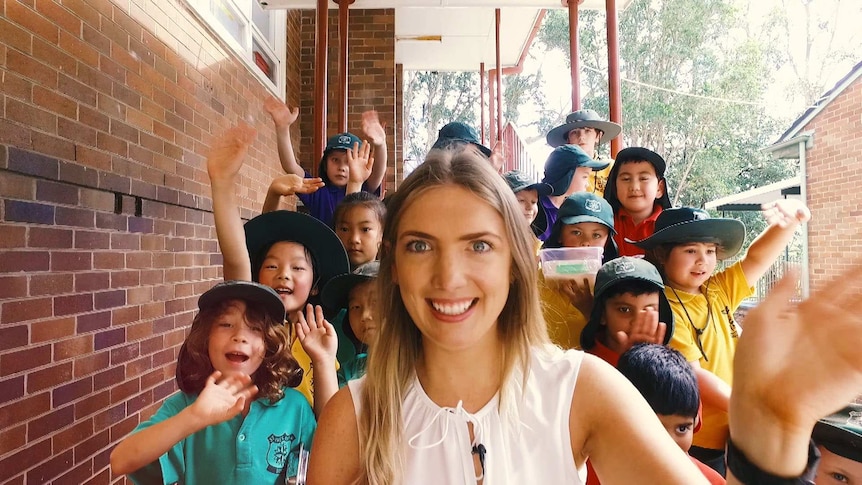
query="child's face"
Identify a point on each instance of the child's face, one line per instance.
(584, 234)
(288, 270)
(680, 428)
(359, 230)
(580, 180)
(638, 187)
(233, 346)
(688, 266)
(587, 138)
(336, 168)
(362, 311)
(835, 469)
(620, 314)
(529, 200)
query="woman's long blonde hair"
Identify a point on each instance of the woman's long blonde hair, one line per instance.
(391, 361)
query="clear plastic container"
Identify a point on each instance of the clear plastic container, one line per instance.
(571, 263)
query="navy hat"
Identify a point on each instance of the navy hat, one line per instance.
(330, 258)
(561, 164)
(841, 433)
(458, 131)
(336, 294)
(614, 272)
(636, 154)
(681, 225)
(581, 207)
(519, 181)
(256, 294)
(342, 141)
(641, 153)
(585, 118)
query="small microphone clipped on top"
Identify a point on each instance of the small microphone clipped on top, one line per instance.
(480, 450)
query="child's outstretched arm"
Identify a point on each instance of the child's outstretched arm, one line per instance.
(320, 342)
(289, 184)
(221, 399)
(283, 117)
(361, 164)
(377, 134)
(714, 392)
(223, 164)
(783, 216)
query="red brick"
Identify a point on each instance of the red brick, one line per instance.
(93, 445)
(68, 438)
(24, 459)
(26, 359)
(71, 261)
(50, 422)
(51, 468)
(25, 409)
(11, 389)
(68, 305)
(31, 68)
(126, 314)
(14, 36)
(108, 378)
(92, 240)
(13, 286)
(50, 284)
(109, 417)
(12, 438)
(16, 186)
(73, 347)
(44, 237)
(89, 282)
(22, 310)
(72, 391)
(20, 211)
(120, 393)
(52, 329)
(53, 145)
(123, 428)
(13, 337)
(48, 377)
(88, 364)
(125, 353)
(31, 115)
(79, 474)
(52, 100)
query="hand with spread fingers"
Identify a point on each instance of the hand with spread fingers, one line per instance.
(294, 184)
(317, 335)
(223, 397)
(282, 115)
(228, 151)
(580, 293)
(360, 163)
(646, 329)
(786, 212)
(373, 129)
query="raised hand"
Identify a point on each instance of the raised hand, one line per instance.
(223, 397)
(372, 128)
(317, 336)
(294, 184)
(360, 163)
(579, 293)
(281, 114)
(228, 152)
(646, 329)
(786, 212)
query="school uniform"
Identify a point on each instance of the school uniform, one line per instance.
(321, 203)
(260, 448)
(550, 211)
(565, 322)
(627, 229)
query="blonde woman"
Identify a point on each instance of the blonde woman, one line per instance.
(463, 385)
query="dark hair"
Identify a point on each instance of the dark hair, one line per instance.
(659, 255)
(360, 199)
(613, 199)
(278, 369)
(663, 377)
(258, 259)
(635, 287)
(321, 169)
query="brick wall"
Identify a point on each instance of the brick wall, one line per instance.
(371, 78)
(106, 235)
(834, 178)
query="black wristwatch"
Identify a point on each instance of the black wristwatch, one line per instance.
(749, 474)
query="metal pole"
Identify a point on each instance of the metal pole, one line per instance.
(321, 44)
(343, 16)
(492, 117)
(574, 57)
(499, 79)
(482, 101)
(615, 96)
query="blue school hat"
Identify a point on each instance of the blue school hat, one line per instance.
(581, 207)
(330, 258)
(341, 141)
(458, 131)
(561, 164)
(841, 433)
(261, 296)
(614, 272)
(682, 225)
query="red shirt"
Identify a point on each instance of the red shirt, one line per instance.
(711, 475)
(605, 353)
(626, 228)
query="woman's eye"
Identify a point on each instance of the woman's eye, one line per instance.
(417, 246)
(481, 246)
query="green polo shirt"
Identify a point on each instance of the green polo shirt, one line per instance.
(256, 449)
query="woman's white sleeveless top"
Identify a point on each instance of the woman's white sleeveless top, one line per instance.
(534, 449)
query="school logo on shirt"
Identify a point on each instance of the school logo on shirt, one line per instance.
(592, 206)
(279, 451)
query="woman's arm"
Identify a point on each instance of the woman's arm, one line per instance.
(334, 458)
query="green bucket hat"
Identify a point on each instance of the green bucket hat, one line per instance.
(561, 164)
(336, 294)
(614, 272)
(681, 225)
(519, 181)
(841, 433)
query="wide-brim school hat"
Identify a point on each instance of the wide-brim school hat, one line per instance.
(561, 164)
(459, 131)
(841, 433)
(261, 296)
(585, 118)
(681, 225)
(625, 268)
(581, 207)
(330, 258)
(519, 181)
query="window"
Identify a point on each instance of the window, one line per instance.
(256, 35)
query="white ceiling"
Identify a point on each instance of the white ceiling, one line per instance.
(466, 29)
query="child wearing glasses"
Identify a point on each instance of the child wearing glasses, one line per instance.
(686, 247)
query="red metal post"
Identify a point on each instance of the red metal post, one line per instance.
(482, 101)
(343, 15)
(574, 56)
(321, 44)
(614, 89)
(499, 78)
(492, 117)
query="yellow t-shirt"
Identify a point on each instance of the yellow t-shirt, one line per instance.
(306, 387)
(565, 322)
(599, 180)
(725, 291)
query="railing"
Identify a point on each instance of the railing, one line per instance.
(515, 153)
(775, 272)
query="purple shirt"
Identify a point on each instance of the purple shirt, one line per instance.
(321, 204)
(551, 210)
